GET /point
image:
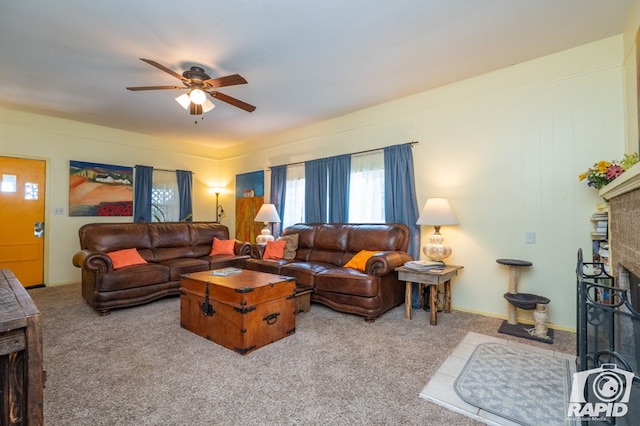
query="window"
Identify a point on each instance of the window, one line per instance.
(165, 203)
(294, 198)
(9, 183)
(30, 191)
(366, 188)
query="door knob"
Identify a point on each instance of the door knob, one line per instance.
(38, 229)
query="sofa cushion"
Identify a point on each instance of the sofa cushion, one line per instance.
(381, 237)
(304, 272)
(125, 257)
(106, 237)
(185, 265)
(347, 281)
(224, 260)
(205, 232)
(291, 246)
(331, 237)
(222, 247)
(270, 266)
(132, 276)
(274, 250)
(170, 234)
(168, 253)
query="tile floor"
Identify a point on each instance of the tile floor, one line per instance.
(440, 388)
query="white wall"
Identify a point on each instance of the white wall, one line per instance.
(58, 141)
(506, 149)
(631, 77)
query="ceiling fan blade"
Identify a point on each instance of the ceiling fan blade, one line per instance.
(155, 88)
(163, 68)
(229, 80)
(233, 101)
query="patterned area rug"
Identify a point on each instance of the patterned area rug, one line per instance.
(526, 387)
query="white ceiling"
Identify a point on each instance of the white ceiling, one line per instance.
(305, 61)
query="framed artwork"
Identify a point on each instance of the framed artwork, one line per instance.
(249, 198)
(100, 189)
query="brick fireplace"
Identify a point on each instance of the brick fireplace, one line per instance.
(608, 328)
(623, 195)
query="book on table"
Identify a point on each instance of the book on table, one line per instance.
(225, 272)
(424, 265)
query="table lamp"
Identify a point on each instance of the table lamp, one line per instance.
(267, 214)
(437, 212)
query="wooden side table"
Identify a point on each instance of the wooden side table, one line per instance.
(432, 278)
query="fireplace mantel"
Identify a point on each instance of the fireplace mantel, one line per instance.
(627, 182)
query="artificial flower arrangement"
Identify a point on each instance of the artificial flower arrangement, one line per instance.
(603, 172)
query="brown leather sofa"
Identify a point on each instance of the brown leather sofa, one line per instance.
(171, 249)
(322, 251)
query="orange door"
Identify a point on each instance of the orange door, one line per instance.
(22, 218)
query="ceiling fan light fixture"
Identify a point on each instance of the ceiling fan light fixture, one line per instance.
(184, 100)
(198, 82)
(207, 106)
(197, 96)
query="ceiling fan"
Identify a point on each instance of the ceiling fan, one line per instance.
(199, 85)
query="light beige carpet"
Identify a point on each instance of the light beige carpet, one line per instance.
(137, 366)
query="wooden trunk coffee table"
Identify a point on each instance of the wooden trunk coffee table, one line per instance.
(242, 311)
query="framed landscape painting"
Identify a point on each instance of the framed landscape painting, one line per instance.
(100, 189)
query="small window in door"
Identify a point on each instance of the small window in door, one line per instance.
(30, 191)
(9, 183)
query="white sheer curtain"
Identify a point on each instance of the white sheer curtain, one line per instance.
(366, 188)
(294, 198)
(165, 203)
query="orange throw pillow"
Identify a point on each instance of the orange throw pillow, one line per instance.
(359, 261)
(274, 249)
(126, 257)
(222, 247)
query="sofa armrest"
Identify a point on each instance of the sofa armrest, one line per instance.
(385, 262)
(92, 261)
(242, 248)
(257, 251)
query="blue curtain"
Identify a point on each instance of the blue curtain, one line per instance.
(339, 169)
(185, 182)
(142, 194)
(315, 190)
(278, 192)
(400, 202)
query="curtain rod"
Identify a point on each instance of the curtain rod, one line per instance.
(353, 153)
(167, 170)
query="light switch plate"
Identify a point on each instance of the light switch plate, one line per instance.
(530, 237)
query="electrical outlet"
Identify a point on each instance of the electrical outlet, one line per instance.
(530, 237)
(58, 211)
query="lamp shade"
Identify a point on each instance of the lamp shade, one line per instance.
(267, 213)
(437, 212)
(185, 101)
